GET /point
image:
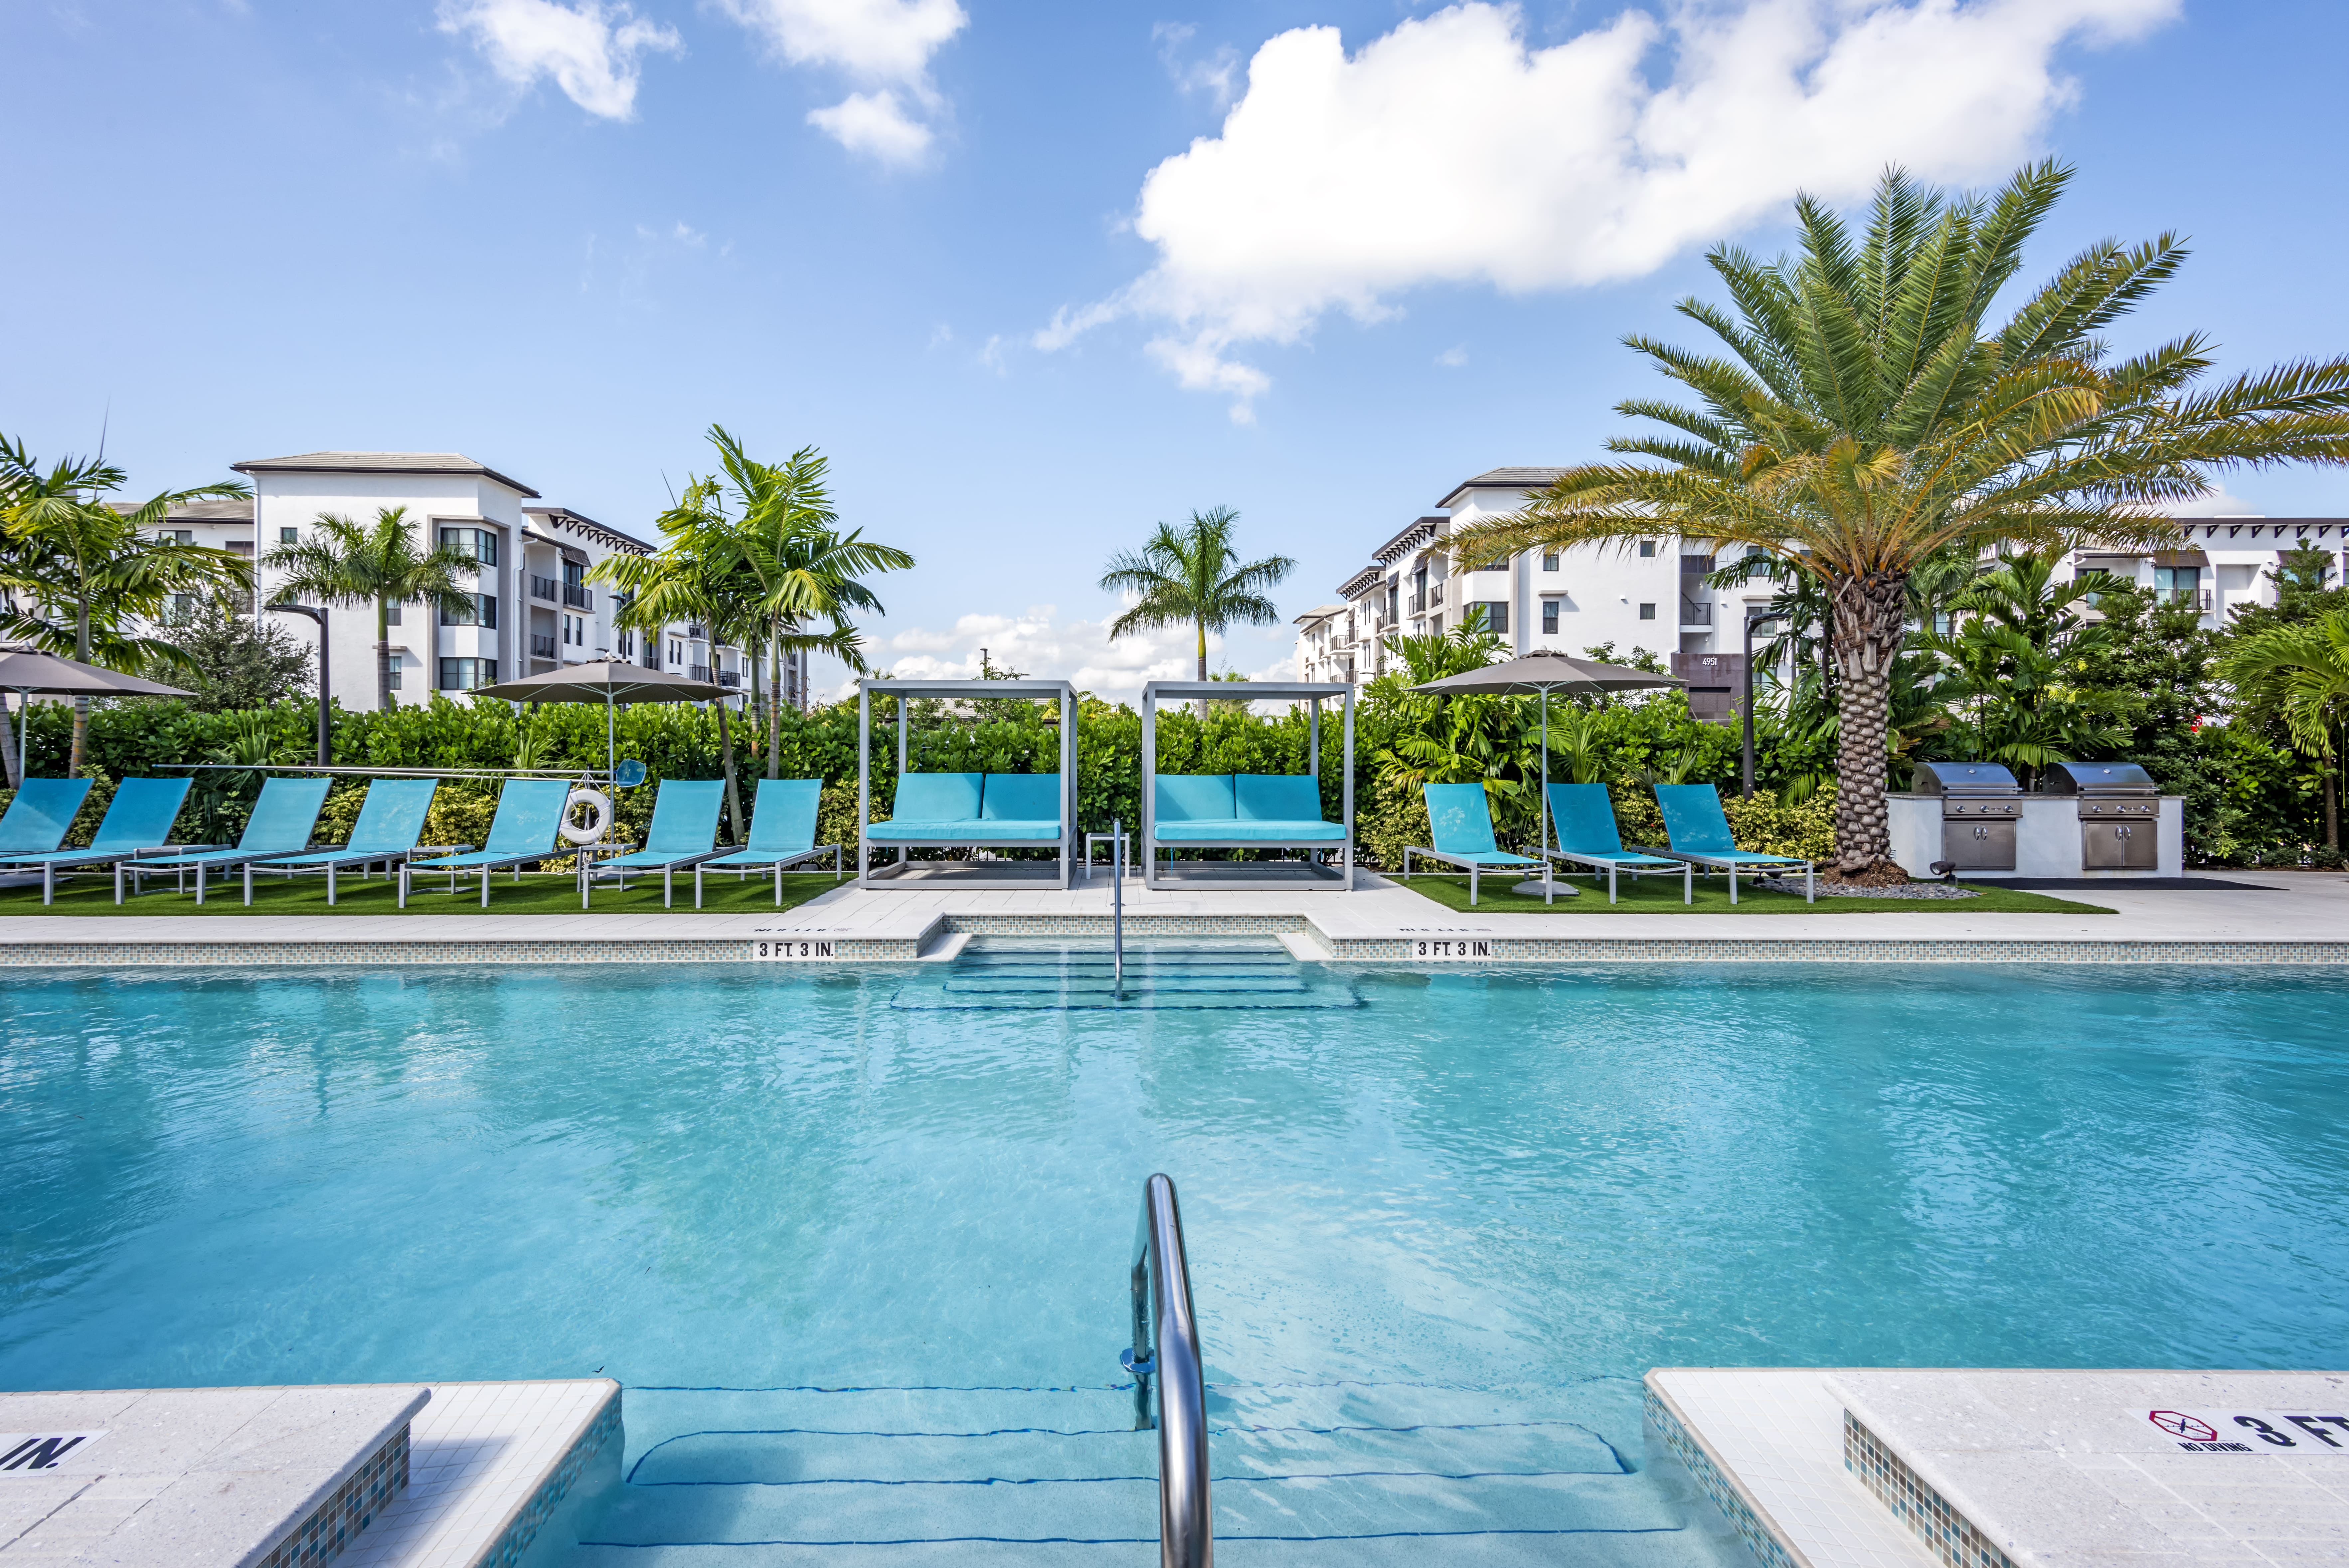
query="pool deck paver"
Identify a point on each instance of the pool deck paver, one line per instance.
(1380, 921)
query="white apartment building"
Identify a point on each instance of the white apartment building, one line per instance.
(531, 610)
(1652, 592)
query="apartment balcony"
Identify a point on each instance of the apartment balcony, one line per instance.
(578, 596)
(1418, 605)
(698, 673)
(544, 589)
(697, 630)
(1695, 615)
(542, 645)
(1435, 595)
(730, 678)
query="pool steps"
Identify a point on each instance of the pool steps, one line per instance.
(1363, 1475)
(1020, 973)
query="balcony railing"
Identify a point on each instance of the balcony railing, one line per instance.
(544, 588)
(696, 672)
(730, 678)
(1695, 613)
(1435, 595)
(542, 645)
(696, 630)
(1418, 604)
(578, 596)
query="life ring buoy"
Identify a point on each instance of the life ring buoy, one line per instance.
(599, 810)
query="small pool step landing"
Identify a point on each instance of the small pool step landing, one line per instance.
(1205, 973)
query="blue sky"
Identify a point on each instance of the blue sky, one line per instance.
(1037, 275)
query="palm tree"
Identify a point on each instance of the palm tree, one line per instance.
(340, 562)
(66, 549)
(1866, 419)
(2306, 669)
(1190, 573)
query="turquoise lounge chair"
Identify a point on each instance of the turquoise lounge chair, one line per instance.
(684, 833)
(138, 822)
(1461, 822)
(391, 821)
(529, 814)
(782, 830)
(279, 825)
(1699, 830)
(37, 818)
(1584, 818)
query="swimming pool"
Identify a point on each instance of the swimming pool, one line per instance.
(1498, 1193)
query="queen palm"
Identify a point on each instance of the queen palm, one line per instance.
(2305, 670)
(82, 571)
(1866, 416)
(340, 562)
(1192, 575)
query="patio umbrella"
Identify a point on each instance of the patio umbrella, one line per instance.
(26, 670)
(610, 681)
(1543, 671)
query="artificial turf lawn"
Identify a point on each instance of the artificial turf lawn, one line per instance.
(1661, 896)
(535, 893)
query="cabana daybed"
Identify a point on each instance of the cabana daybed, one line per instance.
(968, 811)
(1246, 811)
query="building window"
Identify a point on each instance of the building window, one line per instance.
(627, 645)
(391, 613)
(2176, 585)
(1647, 548)
(1549, 560)
(471, 609)
(1549, 618)
(176, 535)
(289, 536)
(478, 542)
(1497, 617)
(391, 666)
(1647, 612)
(467, 674)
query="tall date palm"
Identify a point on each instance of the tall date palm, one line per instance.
(1867, 414)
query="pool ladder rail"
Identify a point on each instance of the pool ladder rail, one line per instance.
(1164, 1360)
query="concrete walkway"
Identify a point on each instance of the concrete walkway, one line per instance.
(2288, 918)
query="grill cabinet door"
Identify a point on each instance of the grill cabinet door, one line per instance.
(2120, 846)
(1972, 846)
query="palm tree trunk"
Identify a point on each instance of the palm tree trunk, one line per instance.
(725, 766)
(775, 709)
(1202, 704)
(81, 704)
(383, 654)
(1868, 633)
(2332, 805)
(8, 740)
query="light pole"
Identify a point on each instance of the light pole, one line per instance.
(1747, 712)
(318, 614)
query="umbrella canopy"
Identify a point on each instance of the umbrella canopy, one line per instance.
(604, 681)
(28, 669)
(1545, 670)
(1542, 672)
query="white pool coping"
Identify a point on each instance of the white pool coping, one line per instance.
(2295, 919)
(1889, 1468)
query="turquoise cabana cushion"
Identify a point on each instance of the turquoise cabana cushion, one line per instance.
(1021, 805)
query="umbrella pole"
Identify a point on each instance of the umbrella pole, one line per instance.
(611, 756)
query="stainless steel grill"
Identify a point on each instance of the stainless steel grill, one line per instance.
(1981, 802)
(2120, 813)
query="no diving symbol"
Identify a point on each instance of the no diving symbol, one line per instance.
(2179, 1425)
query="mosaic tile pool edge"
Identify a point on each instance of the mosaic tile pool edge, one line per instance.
(531, 1516)
(1946, 1533)
(1442, 952)
(349, 1508)
(1745, 1516)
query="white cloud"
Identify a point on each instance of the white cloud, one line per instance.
(874, 124)
(882, 43)
(590, 49)
(1452, 358)
(1214, 75)
(1449, 150)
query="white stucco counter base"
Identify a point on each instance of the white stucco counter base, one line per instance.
(2046, 839)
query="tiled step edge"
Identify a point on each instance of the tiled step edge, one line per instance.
(1745, 1513)
(350, 1508)
(1946, 1533)
(1452, 950)
(475, 952)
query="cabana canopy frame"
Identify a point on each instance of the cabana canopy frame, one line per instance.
(908, 873)
(1286, 877)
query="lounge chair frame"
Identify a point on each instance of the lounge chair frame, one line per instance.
(1281, 875)
(1476, 864)
(100, 854)
(1760, 864)
(907, 872)
(204, 862)
(555, 850)
(332, 861)
(754, 857)
(1630, 860)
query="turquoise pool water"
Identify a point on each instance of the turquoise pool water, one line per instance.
(1471, 1191)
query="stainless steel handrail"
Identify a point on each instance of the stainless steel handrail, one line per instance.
(1117, 906)
(1167, 1353)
